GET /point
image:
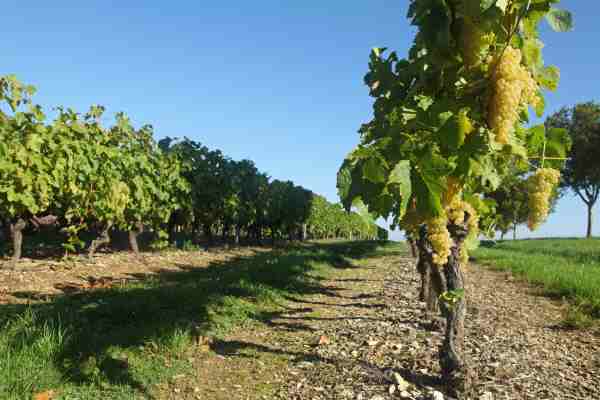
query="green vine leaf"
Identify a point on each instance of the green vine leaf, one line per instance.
(400, 178)
(560, 20)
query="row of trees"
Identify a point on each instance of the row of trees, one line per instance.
(234, 199)
(74, 172)
(449, 129)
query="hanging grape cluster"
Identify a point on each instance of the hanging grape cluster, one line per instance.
(513, 88)
(439, 237)
(119, 197)
(453, 190)
(540, 185)
(460, 212)
(411, 221)
(437, 228)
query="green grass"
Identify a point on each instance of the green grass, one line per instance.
(567, 268)
(118, 343)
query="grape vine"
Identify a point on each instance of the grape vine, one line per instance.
(449, 125)
(97, 179)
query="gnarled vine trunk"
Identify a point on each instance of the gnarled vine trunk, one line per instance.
(225, 232)
(273, 239)
(455, 369)
(238, 230)
(16, 233)
(258, 234)
(208, 234)
(437, 286)
(101, 240)
(423, 270)
(432, 281)
(414, 251)
(133, 235)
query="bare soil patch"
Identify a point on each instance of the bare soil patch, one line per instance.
(32, 279)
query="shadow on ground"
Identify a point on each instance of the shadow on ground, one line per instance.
(95, 328)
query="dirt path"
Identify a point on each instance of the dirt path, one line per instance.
(363, 337)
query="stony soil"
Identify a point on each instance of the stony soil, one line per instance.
(365, 336)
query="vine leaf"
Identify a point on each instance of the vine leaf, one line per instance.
(344, 183)
(560, 20)
(548, 77)
(450, 133)
(428, 192)
(536, 137)
(400, 178)
(374, 170)
(502, 5)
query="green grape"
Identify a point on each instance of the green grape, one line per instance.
(513, 88)
(540, 185)
(457, 212)
(453, 189)
(439, 237)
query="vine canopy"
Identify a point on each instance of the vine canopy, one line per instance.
(455, 111)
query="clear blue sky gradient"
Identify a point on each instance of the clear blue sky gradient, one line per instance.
(278, 82)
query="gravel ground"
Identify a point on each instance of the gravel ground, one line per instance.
(365, 337)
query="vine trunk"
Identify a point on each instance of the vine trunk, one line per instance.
(133, 235)
(16, 233)
(101, 240)
(454, 365)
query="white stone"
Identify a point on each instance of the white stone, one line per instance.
(400, 381)
(437, 396)
(486, 396)
(392, 389)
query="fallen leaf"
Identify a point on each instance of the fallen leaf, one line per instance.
(323, 340)
(47, 395)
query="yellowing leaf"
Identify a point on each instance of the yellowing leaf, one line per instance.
(47, 395)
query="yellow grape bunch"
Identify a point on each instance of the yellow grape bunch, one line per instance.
(513, 88)
(411, 221)
(119, 197)
(540, 186)
(439, 237)
(453, 190)
(437, 229)
(458, 212)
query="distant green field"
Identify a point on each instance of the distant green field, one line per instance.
(567, 268)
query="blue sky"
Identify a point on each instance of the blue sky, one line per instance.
(278, 82)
